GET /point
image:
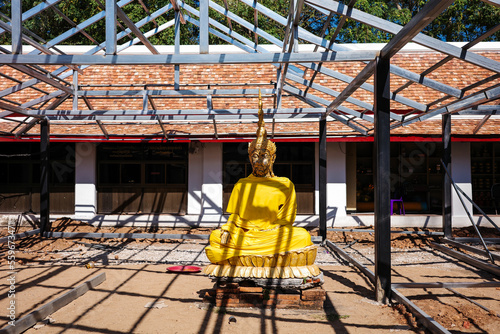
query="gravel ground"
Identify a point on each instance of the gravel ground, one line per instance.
(193, 253)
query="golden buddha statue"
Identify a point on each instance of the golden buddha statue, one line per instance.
(258, 239)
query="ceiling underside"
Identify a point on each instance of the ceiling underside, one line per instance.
(45, 81)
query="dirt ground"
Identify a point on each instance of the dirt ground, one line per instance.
(136, 275)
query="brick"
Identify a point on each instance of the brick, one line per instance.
(286, 296)
(226, 301)
(225, 285)
(283, 302)
(227, 295)
(311, 304)
(225, 291)
(244, 289)
(251, 298)
(270, 302)
(313, 294)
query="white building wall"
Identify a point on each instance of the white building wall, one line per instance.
(205, 180)
(336, 189)
(461, 172)
(195, 180)
(85, 180)
(211, 202)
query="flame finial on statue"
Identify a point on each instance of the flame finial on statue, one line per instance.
(261, 142)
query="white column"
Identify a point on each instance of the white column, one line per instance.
(336, 189)
(461, 172)
(85, 180)
(211, 202)
(316, 178)
(195, 180)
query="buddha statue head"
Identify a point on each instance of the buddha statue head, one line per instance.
(261, 151)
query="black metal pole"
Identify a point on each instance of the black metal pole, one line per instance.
(322, 178)
(382, 136)
(446, 130)
(44, 176)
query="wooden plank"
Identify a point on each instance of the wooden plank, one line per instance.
(41, 313)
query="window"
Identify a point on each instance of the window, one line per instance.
(20, 177)
(142, 178)
(142, 164)
(293, 160)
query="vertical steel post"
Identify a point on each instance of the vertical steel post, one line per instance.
(322, 178)
(75, 90)
(446, 133)
(382, 107)
(111, 27)
(17, 23)
(203, 26)
(177, 50)
(44, 176)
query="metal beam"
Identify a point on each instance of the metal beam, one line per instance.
(307, 36)
(480, 124)
(91, 235)
(468, 259)
(322, 178)
(16, 19)
(23, 324)
(423, 317)
(35, 10)
(137, 32)
(449, 58)
(420, 38)
(204, 26)
(178, 93)
(362, 76)
(424, 17)
(469, 248)
(255, 58)
(365, 86)
(470, 101)
(446, 211)
(45, 172)
(431, 10)
(382, 136)
(40, 76)
(27, 127)
(445, 285)
(111, 27)
(313, 100)
(13, 108)
(96, 49)
(180, 112)
(20, 236)
(103, 129)
(163, 129)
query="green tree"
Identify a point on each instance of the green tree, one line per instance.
(464, 20)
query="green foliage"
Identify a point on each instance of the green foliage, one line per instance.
(464, 20)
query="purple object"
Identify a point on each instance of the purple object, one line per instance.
(400, 205)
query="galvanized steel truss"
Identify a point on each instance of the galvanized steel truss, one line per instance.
(290, 77)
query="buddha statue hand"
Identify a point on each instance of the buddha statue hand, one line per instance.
(224, 237)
